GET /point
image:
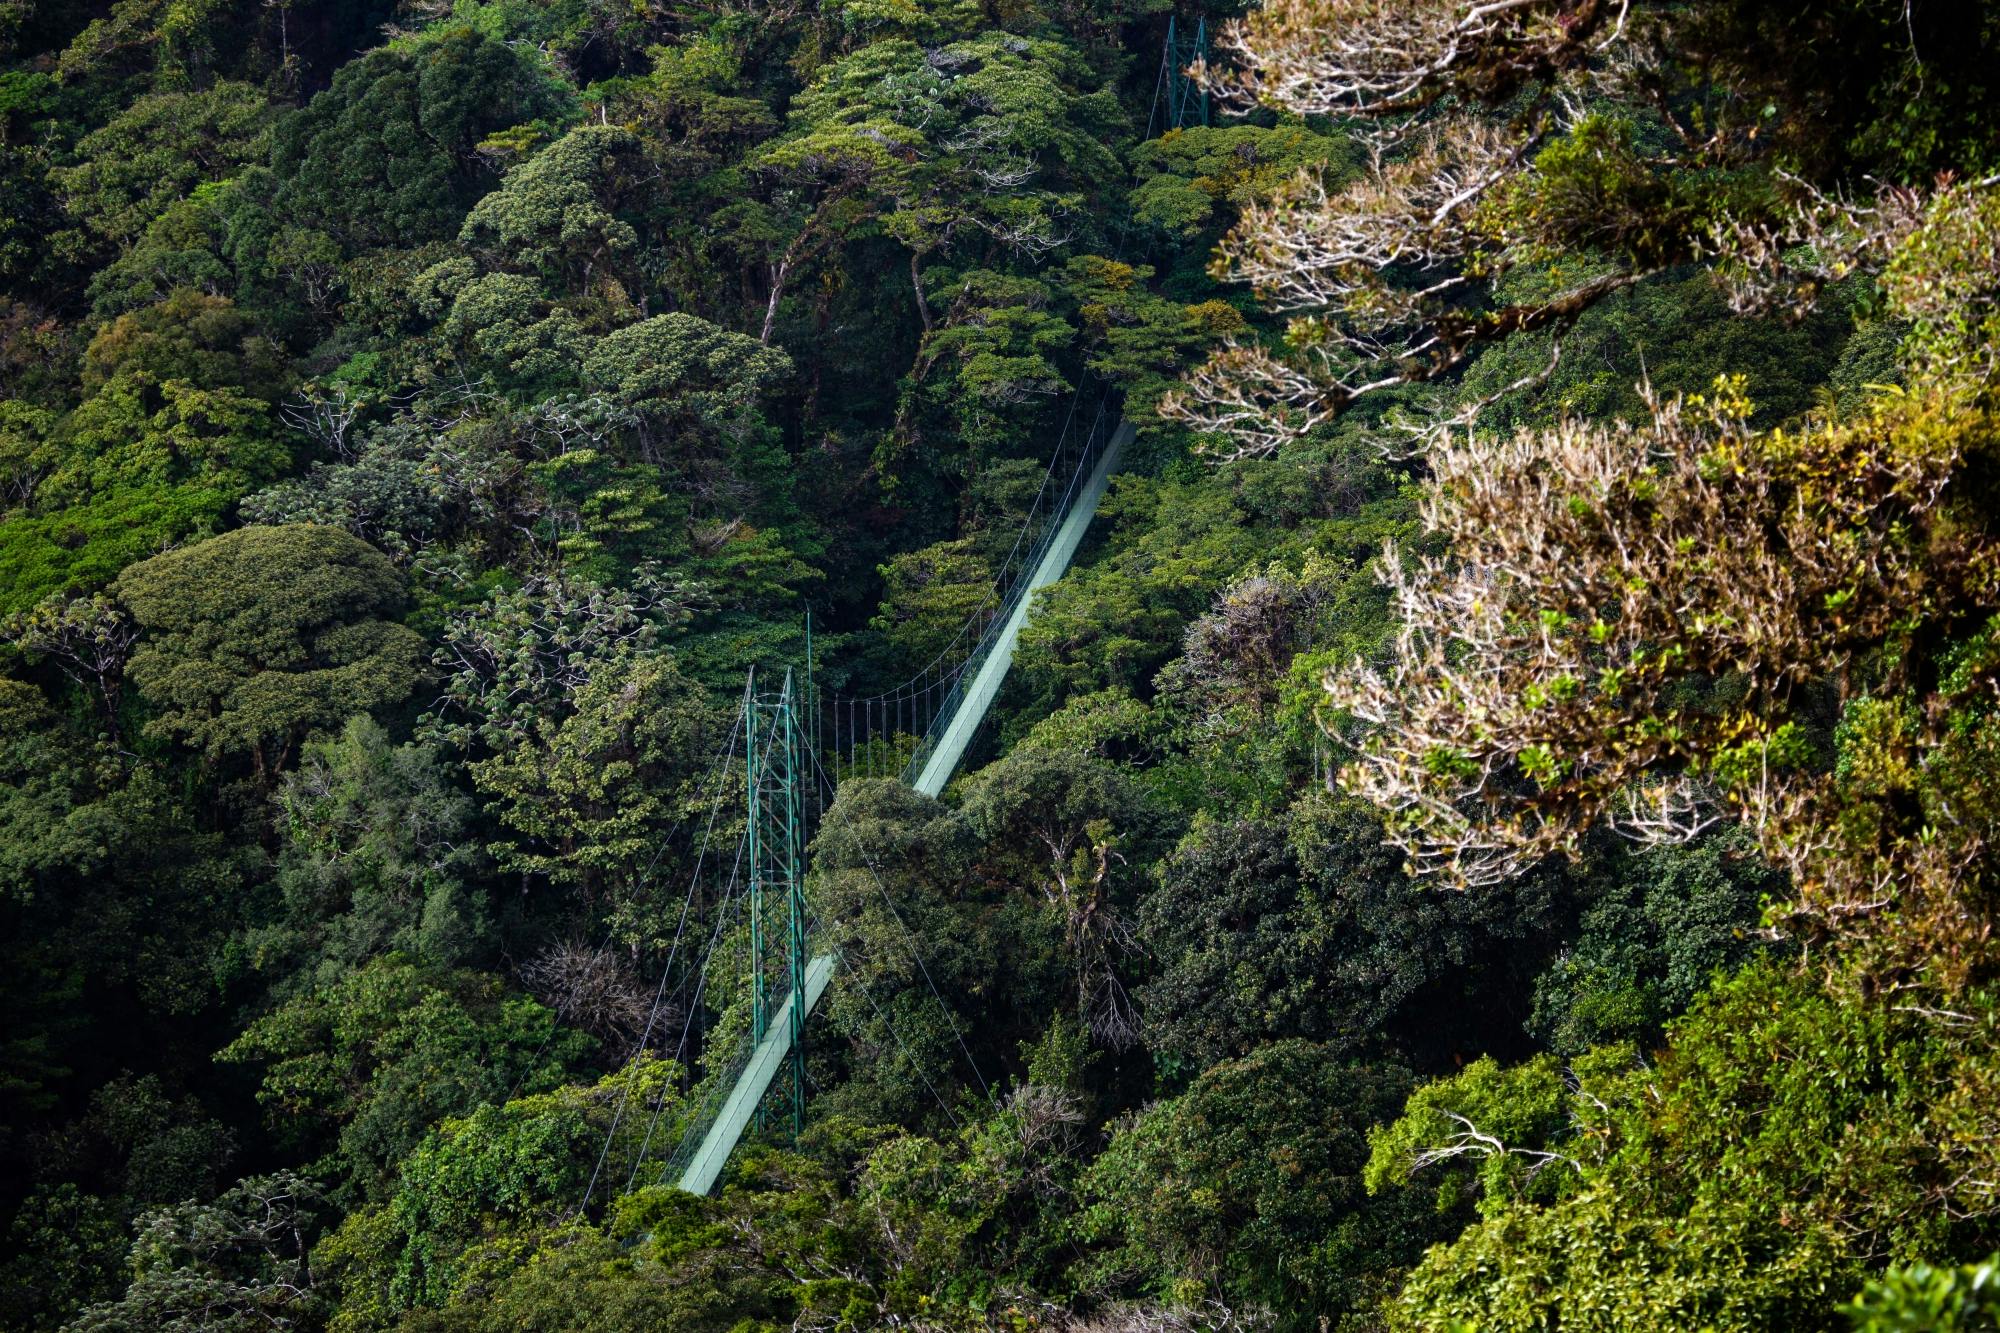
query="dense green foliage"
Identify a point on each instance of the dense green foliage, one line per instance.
(417, 416)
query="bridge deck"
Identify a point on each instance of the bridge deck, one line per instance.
(979, 696)
(752, 1084)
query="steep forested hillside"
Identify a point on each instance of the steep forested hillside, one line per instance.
(1491, 833)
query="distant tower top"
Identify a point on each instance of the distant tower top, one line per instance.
(1187, 100)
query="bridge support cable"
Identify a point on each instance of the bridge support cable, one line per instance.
(901, 1045)
(776, 837)
(716, 768)
(717, 1079)
(868, 733)
(778, 1047)
(722, 765)
(900, 729)
(910, 939)
(775, 780)
(1186, 97)
(660, 1102)
(877, 722)
(715, 934)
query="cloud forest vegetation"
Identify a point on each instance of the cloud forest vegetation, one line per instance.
(1494, 832)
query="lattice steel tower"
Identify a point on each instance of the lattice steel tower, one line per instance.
(1187, 100)
(776, 781)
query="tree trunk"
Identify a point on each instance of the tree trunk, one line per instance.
(778, 276)
(917, 281)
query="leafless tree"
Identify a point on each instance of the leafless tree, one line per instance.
(1385, 58)
(1596, 568)
(327, 417)
(1100, 937)
(89, 638)
(591, 988)
(1400, 276)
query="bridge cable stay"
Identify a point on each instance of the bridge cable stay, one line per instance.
(774, 787)
(938, 753)
(698, 1164)
(1186, 96)
(717, 767)
(875, 725)
(864, 744)
(775, 834)
(723, 921)
(759, 759)
(897, 1037)
(723, 764)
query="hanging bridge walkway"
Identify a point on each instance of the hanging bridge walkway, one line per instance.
(951, 702)
(798, 740)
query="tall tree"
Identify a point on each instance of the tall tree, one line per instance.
(253, 638)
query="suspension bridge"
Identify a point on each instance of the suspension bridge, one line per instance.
(934, 715)
(797, 741)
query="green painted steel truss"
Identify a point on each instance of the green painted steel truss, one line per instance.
(785, 983)
(1187, 99)
(776, 782)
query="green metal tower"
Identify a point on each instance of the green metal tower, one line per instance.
(1187, 100)
(775, 785)
(786, 981)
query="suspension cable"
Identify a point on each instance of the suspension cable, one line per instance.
(900, 1044)
(659, 992)
(909, 939)
(694, 1003)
